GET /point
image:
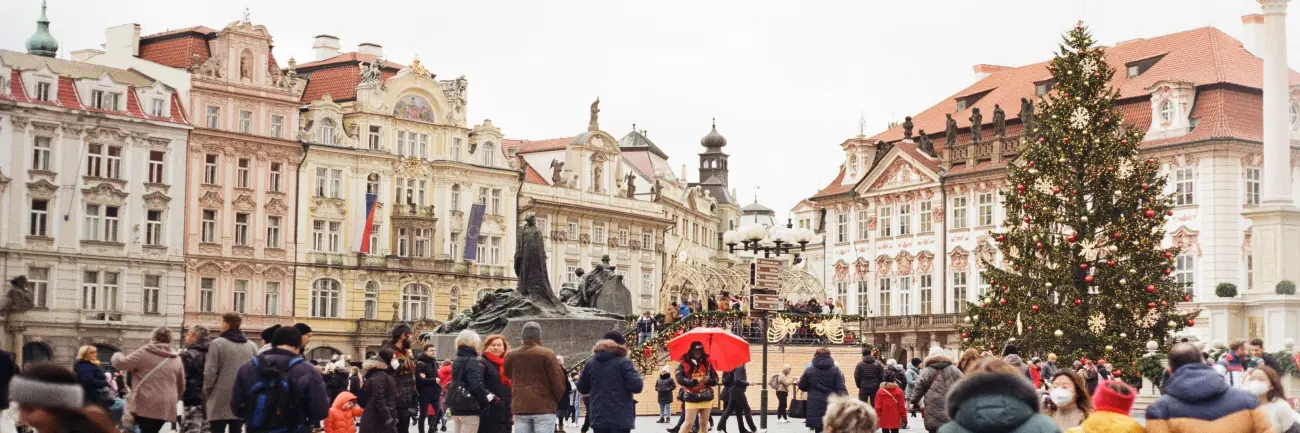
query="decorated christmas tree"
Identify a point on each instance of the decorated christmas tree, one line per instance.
(1085, 274)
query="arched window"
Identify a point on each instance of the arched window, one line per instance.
(415, 302)
(489, 157)
(326, 295)
(37, 351)
(1167, 111)
(372, 184)
(454, 302)
(327, 131)
(372, 300)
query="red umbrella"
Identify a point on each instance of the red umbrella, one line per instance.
(726, 351)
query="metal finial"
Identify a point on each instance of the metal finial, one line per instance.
(715, 123)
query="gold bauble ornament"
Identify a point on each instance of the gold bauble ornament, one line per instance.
(1083, 218)
(1110, 348)
(1059, 333)
(1171, 324)
(1123, 281)
(1123, 335)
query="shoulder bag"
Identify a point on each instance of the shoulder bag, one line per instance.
(458, 397)
(128, 419)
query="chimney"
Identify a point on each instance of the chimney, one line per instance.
(325, 46)
(1253, 36)
(684, 173)
(371, 49)
(983, 70)
(123, 40)
(85, 55)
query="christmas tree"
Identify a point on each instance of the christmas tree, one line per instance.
(1087, 275)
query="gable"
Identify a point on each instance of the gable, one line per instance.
(897, 170)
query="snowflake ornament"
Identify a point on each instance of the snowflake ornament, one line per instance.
(1094, 250)
(1149, 319)
(1097, 323)
(1089, 66)
(1080, 118)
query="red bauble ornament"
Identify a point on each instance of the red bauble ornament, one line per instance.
(1065, 139)
(1042, 140)
(1002, 238)
(1169, 271)
(1164, 303)
(1083, 266)
(1035, 308)
(1078, 302)
(1151, 288)
(1151, 213)
(1191, 322)
(1088, 279)
(1171, 212)
(1105, 120)
(1096, 74)
(1067, 94)
(1027, 220)
(1075, 191)
(1145, 186)
(1117, 235)
(1031, 163)
(1151, 161)
(1169, 255)
(1011, 322)
(1003, 301)
(1029, 328)
(1056, 190)
(1151, 304)
(1039, 245)
(1110, 263)
(1020, 189)
(1123, 140)
(1071, 238)
(965, 335)
(1187, 298)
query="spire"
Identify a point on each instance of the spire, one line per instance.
(42, 43)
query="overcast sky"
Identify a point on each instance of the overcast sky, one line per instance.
(786, 80)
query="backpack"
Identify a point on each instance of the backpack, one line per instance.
(267, 403)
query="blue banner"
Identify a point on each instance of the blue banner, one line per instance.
(471, 233)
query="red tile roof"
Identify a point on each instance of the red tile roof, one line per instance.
(16, 91)
(339, 75)
(530, 174)
(177, 48)
(834, 188)
(68, 98)
(68, 94)
(530, 146)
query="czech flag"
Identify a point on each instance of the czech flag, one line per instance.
(368, 227)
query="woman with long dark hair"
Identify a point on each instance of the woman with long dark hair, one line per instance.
(51, 399)
(1068, 400)
(697, 378)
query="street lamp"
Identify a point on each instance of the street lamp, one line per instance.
(775, 241)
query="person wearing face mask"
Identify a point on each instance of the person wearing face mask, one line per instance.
(1114, 400)
(1068, 401)
(1196, 399)
(379, 406)
(1267, 384)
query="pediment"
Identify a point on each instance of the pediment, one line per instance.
(897, 170)
(104, 193)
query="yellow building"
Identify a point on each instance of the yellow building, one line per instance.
(394, 132)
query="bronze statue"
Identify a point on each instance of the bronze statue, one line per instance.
(557, 168)
(907, 127)
(1026, 116)
(999, 122)
(976, 124)
(18, 299)
(631, 185)
(595, 115)
(951, 130)
(530, 267)
(924, 144)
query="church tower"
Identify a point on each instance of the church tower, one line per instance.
(713, 166)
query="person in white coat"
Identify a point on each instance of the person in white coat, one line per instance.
(1267, 384)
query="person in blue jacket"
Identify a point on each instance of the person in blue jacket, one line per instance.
(611, 381)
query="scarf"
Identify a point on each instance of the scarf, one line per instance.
(501, 367)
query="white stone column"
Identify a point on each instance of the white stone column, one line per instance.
(1277, 155)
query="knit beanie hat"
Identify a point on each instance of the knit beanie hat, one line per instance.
(386, 355)
(269, 333)
(287, 336)
(1010, 349)
(1109, 400)
(616, 336)
(532, 332)
(303, 329)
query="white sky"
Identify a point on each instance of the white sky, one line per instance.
(785, 79)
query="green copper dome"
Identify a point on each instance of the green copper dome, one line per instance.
(42, 43)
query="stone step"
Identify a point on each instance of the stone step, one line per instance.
(1140, 404)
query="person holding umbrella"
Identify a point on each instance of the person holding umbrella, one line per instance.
(697, 378)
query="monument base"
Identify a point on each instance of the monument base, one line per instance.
(570, 337)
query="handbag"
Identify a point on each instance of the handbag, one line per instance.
(458, 397)
(697, 396)
(798, 408)
(128, 419)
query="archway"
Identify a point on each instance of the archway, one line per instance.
(37, 351)
(323, 353)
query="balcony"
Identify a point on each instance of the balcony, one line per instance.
(372, 261)
(413, 211)
(328, 259)
(101, 316)
(913, 323)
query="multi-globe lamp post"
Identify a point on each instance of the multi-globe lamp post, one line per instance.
(778, 240)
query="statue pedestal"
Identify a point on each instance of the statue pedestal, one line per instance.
(570, 337)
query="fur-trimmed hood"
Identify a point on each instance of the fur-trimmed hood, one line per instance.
(989, 402)
(371, 364)
(936, 359)
(605, 349)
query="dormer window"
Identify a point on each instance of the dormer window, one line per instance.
(103, 100)
(1136, 68)
(968, 101)
(961, 104)
(1042, 87)
(43, 91)
(327, 131)
(156, 107)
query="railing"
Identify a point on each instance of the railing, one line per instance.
(372, 261)
(102, 316)
(920, 322)
(413, 211)
(335, 259)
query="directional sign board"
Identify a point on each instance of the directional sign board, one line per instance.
(765, 302)
(767, 273)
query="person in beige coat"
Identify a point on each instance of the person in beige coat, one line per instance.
(226, 354)
(158, 381)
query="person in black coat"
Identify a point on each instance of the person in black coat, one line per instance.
(92, 378)
(426, 384)
(380, 391)
(467, 370)
(665, 387)
(737, 402)
(497, 417)
(820, 381)
(611, 381)
(868, 375)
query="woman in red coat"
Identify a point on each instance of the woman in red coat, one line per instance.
(890, 404)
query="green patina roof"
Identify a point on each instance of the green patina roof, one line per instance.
(42, 43)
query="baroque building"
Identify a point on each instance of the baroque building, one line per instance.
(241, 169)
(92, 177)
(908, 216)
(408, 213)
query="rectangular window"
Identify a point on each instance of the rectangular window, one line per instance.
(272, 298)
(864, 297)
(336, 183)
(496, 202)
(959, 292)
(241, 229)
(156, 108)
(904, 219)
(647, 240)
(842, 295)
(374, 138)
(886, 221)
(904, 296)
(959, 212)
(41, 154)
(1183, 186)
(647, 283)
(985, 217)
(208, 226)
(573, 231)
(210, 169)
(93, 219)
(322, 181)
(103, 161)
(239, 300)
(273, 232)
(318, 235)
(38, 281)
(156, 163)
(103, 100)
(153, 227)
(242, 167)
(496, 250)
(481, 256)
(399, 196)
(1252, 185)
(401, 143)
(101, 223)
(598, 233)
(277, 126)
(884, 298)
(482, 196)
(622, 237)
(246, 122)
(455, 247)
(421, 195)
(403, 242)
(455, 198)
(273, 184)
(981, 284)
(455, 149)
(43, 91)
(423, 237)
(374, 239)
(214, 117)
(842, 227)
(1185, 272)
(863, 224)
(927, 294)
(335, 236)
(39, 218)
(424, 146)
(207, 294)
(99, 291)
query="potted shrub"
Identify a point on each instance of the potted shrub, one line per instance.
(1225, 290)
(1285, 287)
